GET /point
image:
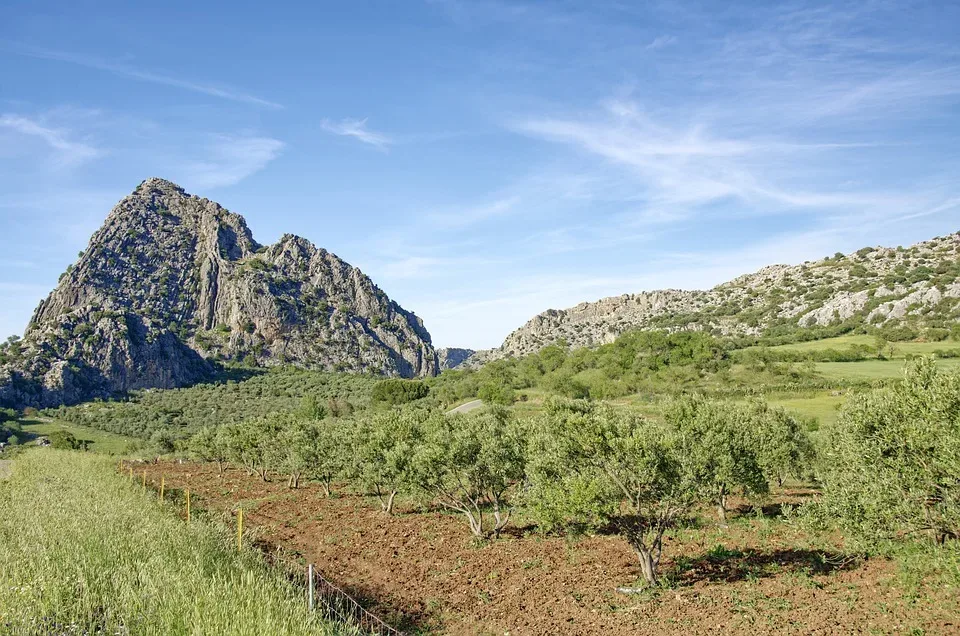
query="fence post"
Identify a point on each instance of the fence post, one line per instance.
(144, 480)
(162, 484)
(240, 530)
(131, 474)
(188, 505)
(310, 594)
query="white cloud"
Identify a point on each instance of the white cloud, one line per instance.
(124, 70)
(357, 128)
(67, 151)
(230, 159)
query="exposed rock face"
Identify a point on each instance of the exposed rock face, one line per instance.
(173, 281)
(452, 357)
(918, 285)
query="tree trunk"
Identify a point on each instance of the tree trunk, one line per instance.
(326, 487)
(648, 566)
(388, 504)
(220, 466)
(722, 505)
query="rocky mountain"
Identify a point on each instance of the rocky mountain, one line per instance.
(173, 282)
(918, 287)
(450, 357)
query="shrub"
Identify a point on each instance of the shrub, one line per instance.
(395, 391)
(891, 464)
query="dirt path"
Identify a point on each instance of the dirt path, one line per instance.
(467, 407)
(421, 571)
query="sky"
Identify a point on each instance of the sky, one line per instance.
(485, 161)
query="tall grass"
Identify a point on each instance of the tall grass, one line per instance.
(84, 551)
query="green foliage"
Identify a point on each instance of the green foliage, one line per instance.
(890, 466)
(9, 427)
(396, 391)
(65, 440)
(632, 361)
(100, 557)
(783, 447)
(235, 397)
(470, 464)
(383, 451)
(718, 444)
(593, 465)
(311, 408)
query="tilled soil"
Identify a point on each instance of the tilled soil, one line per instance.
(421, 570)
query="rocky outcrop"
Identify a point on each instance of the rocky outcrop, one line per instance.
(173, 283)
(918, 285)
(452, 357)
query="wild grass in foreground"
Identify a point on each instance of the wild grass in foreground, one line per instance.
(84, 551)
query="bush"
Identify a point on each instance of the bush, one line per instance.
(396, 391)
(890, 466)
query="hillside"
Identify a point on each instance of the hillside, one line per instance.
(172, 283)
(916, 287)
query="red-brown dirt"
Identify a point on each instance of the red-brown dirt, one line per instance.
(421, 571)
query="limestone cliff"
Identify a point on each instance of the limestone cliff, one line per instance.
(173, 283)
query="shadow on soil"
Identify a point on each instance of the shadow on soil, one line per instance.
(721, 565)
(406, 616)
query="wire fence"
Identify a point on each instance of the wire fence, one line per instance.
(340, 606)
(322, 594)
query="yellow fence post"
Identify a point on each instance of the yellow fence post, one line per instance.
(131, 473)
(162, 483)
(144, 480)
(239, 529)
(188, 505)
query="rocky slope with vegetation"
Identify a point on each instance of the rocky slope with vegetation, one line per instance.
(173, 283)
(914, 289)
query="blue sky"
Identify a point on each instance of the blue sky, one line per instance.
(485, 161)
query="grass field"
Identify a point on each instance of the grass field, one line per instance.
(84, 552)
(822, 406)
(900, 349)
(100, 441)
(872, 369)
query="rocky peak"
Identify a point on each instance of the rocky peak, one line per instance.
(175, 282)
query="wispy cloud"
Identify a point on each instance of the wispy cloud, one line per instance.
(661, 41)
(124, 70)
(68, 152)
(357, 128)
(686, 165)
(465, 216)
(230, 159)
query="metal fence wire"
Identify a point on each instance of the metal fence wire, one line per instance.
(340, 606)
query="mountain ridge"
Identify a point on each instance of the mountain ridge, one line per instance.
(918, 285)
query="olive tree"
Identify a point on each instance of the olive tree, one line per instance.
(783, 447)
(890, 465)
(292, 450)
(471, 464)
(384, 446)
(719, 448)
(207, 445)
(331, 451)
(595, 465)
(251, 443)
